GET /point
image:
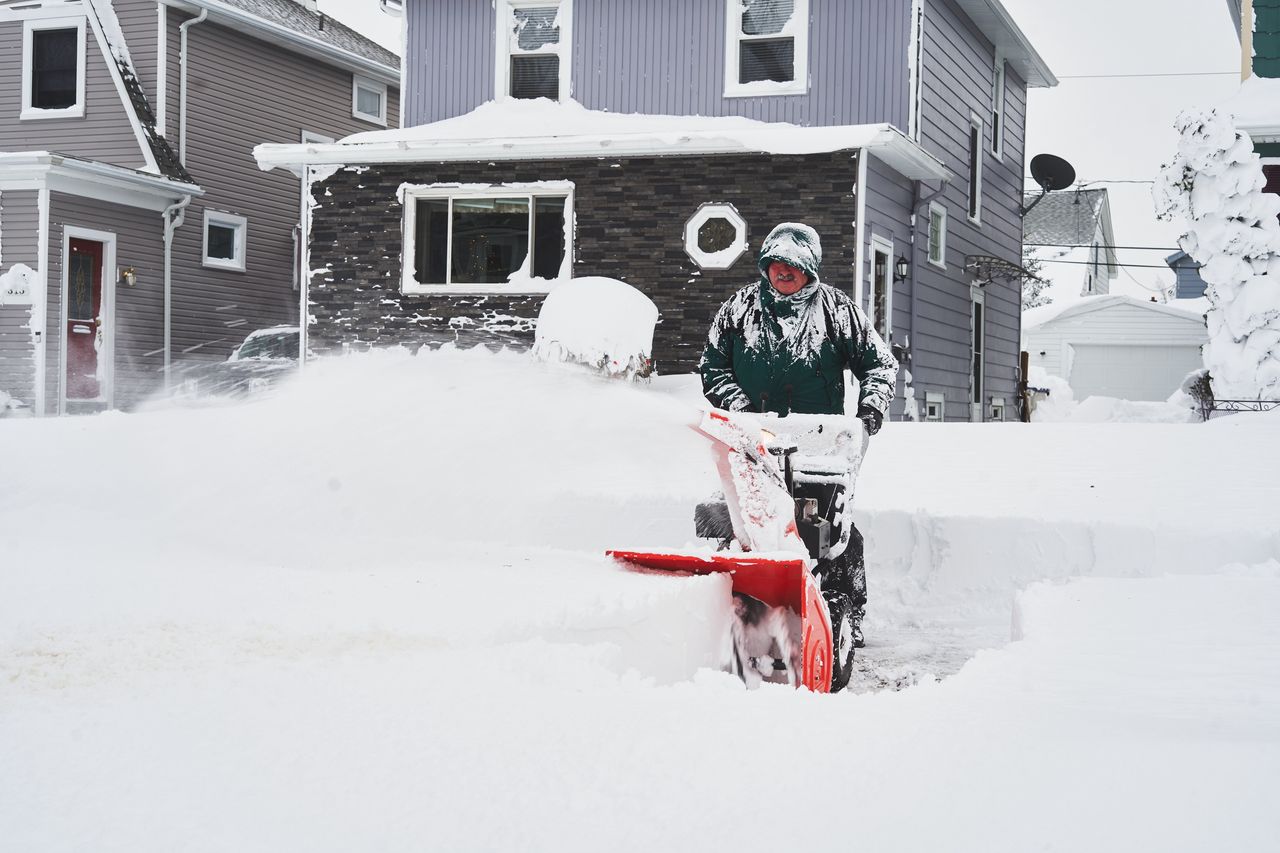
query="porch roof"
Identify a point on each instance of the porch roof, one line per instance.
(91, 179)
(541, 129)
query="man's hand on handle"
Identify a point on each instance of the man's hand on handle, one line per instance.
(872, 418)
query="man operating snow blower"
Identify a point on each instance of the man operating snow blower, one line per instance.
(781, 345)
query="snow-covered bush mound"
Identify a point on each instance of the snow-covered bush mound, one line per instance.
(1062, 407)
(1216, 184)
(603, 323)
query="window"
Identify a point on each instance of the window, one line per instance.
(935, 407)
(882, 286)
(716, 236)
(997, 108)
(997, 409)
(369, 100)
(978, 379)
(224, 240)
(53, 68)
(767, 48)
(534, 40)
(486, 240)
(975, 168)
(938, 235)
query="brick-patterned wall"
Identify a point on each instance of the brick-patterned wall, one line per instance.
(630, 216)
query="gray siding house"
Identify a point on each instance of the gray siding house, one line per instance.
(654, 141)
(136, 232)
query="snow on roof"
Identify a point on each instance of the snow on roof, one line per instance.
(512, 129)
(313, 26)
(1037, 317)
(1256, 108)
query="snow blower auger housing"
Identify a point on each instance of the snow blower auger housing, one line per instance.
(780, 527)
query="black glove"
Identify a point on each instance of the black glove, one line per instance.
(873, 418)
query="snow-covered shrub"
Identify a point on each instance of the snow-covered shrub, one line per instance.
(604, 324)
(1216, 184)
(1196, 392)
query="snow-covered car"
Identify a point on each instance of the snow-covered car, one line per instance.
(264, 357)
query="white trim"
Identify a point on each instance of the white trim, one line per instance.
(162, 67)
(973, 190)
(29, 28)
(726, 258)
(411, 194)
(999, 85)
(998, 403)
(380, 117)
(797, 29)
(859, 227)
(915, 56)
(113, 68)
(106, 355)
(300, 271)
(502, 44)
(90, 179)
(702, 136)
(225, 220)
(935, 207)
(977, 297)
(42, 333)
(884, 246)
(931, 398)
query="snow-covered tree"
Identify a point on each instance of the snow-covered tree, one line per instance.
(1216, 185)
(1033, 281)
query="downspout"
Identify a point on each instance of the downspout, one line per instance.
(173, 215)
(860, 227)
(182, 85)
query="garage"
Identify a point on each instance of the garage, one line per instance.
(1116, 345)
(1131, 372)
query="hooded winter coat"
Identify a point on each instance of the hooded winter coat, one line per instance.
(767, 352)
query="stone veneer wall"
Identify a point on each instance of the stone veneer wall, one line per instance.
(630, 218)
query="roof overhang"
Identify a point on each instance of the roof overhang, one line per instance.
(995, 22)
(882, 141)
(269, 31)
(33, 170)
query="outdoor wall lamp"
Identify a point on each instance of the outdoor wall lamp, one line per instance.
(128, 276)
(901, 269)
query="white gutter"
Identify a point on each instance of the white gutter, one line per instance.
(883, 141)
(173, 215)
(162, 68)
(182, 85)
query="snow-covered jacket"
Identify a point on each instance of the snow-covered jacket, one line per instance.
(767, 352)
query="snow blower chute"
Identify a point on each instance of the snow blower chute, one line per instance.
(784, 536)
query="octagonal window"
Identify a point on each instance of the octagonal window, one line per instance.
(715, 236)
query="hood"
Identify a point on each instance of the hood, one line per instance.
(794, 244)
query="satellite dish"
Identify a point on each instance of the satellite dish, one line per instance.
(1052, 173)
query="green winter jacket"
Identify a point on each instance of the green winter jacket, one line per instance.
(772, 353)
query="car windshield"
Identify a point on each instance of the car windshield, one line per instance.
(273, 345)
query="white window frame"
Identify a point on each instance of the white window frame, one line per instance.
(797, 29)
(997, 409)
(941, 263)
(29, 28)
(932, 398)
(726, 258)
(973, 193)
(502, 36)
(978, 370)
(410, 195)
(999, 84)
(379, 118)
(226, 220)
(881, 245)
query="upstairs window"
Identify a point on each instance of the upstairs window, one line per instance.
(498, 239)
(938, 235)
(767, 48)
(997, 108)
(975, 169)
(533, 48)
(224, 240)
(369, 100)
(53, 68)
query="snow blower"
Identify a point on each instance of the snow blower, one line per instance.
(785, 536)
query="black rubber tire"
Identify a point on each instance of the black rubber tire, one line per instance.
(842, 647)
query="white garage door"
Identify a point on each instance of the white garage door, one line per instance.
(1131, 372)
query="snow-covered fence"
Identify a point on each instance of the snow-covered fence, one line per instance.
(1216, 184)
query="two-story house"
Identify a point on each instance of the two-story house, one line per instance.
(136, 231)
(658, 141)
(1073, 232)
(1257, 106)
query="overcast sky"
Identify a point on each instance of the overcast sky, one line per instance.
(1111, 129)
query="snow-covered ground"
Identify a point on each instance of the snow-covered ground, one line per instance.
(372, 613)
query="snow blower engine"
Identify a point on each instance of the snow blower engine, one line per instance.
(783, 531)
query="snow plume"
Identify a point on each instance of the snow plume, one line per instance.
(599, 322)
(1217, 185)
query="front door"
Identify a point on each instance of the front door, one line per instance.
(84, 320)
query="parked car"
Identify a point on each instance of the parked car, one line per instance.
(264, 358)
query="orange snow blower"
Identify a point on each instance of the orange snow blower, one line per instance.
(781, 526)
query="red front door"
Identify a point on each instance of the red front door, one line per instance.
(84, 320)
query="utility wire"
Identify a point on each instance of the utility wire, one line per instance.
(1103, 264)
(1133, 76)
(1091, 246)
